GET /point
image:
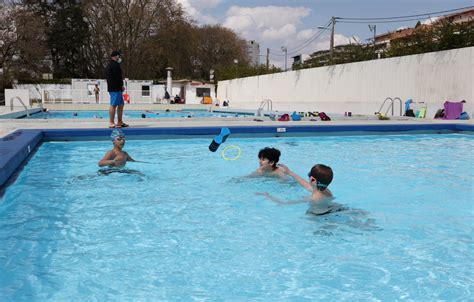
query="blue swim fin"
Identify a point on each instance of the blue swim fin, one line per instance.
(220, 139)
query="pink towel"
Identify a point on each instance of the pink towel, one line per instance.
(452, 110)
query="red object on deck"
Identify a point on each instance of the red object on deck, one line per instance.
(126, 98)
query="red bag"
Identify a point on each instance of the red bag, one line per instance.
(284, 118)
(323, 116)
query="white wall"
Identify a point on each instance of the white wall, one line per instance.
(361, 87)
(12, 97)
(35, 90)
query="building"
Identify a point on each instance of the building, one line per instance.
(383, 41)
(253, 52)
(188, 90)
(139, 91)
(300, 59)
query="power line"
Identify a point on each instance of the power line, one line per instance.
(409, 16)
(307, 44)
(379, 22)
(315, 35)
(304, 43)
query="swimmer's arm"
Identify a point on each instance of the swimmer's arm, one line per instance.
(278, 200)
(255, 173)
(108, 159)
(129, 158)
(298, 178)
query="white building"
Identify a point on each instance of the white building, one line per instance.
(253, 51)
(191, 91)
(139, 91)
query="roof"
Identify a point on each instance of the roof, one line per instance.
(465, 16)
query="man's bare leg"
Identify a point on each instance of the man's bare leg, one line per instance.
(120, 115)
(112, 115)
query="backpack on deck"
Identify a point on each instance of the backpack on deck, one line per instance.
(410, 113)
(439, 113)
(323, 116)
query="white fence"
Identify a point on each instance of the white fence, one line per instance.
(361, 88)
(84, 96)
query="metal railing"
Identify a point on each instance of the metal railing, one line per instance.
(391, 106)
(268, 103)
(18, 98)
(84, 96)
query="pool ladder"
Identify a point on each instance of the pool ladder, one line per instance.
(268, 103)
(390, 106)
(11, 105)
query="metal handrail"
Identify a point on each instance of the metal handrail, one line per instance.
(391, 106)
(400, 102)
(11, 105)
(267, 102)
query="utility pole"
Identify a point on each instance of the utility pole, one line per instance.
(283, 48)
(268, 55)
(374, 29)
(331, 47)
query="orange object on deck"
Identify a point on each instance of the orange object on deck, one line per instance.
(206, 100)
(126, 98)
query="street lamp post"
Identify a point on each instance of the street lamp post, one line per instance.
(331, 47)
(374, 29)
(236, 62)
(331, 41)
(283, 48)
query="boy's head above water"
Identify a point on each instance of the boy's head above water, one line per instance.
(322, 175)
(269, 156)
(117, 134)
(118, 138)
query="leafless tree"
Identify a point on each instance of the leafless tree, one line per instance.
(22, 43)
(128, 26)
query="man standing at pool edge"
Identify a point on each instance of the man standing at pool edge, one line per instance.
(115, 88)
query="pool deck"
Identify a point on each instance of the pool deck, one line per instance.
(10, 125)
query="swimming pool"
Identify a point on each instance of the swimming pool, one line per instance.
(188, 226)
(103, 114)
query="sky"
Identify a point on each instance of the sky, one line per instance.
(294, 23)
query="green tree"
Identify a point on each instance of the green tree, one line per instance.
(67, 36)
(217, 47)
(232, 71)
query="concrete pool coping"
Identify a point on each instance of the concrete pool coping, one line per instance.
(19, 138)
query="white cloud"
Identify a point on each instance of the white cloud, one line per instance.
(204, 4)
(271, 22)
(195, 8)
(271, 26)
(430, 20)
(279, 34)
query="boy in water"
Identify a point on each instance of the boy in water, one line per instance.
(116, 157)
(320, 176)
(269, 158)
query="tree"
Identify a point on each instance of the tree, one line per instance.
(22, 44)
(67, 36)
(227, 71)
(131, 26)
(217, 47)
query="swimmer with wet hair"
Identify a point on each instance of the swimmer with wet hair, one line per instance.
(320, 177)
(268, 160)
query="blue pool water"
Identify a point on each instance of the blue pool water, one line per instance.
(188, 226)
(103, 114)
